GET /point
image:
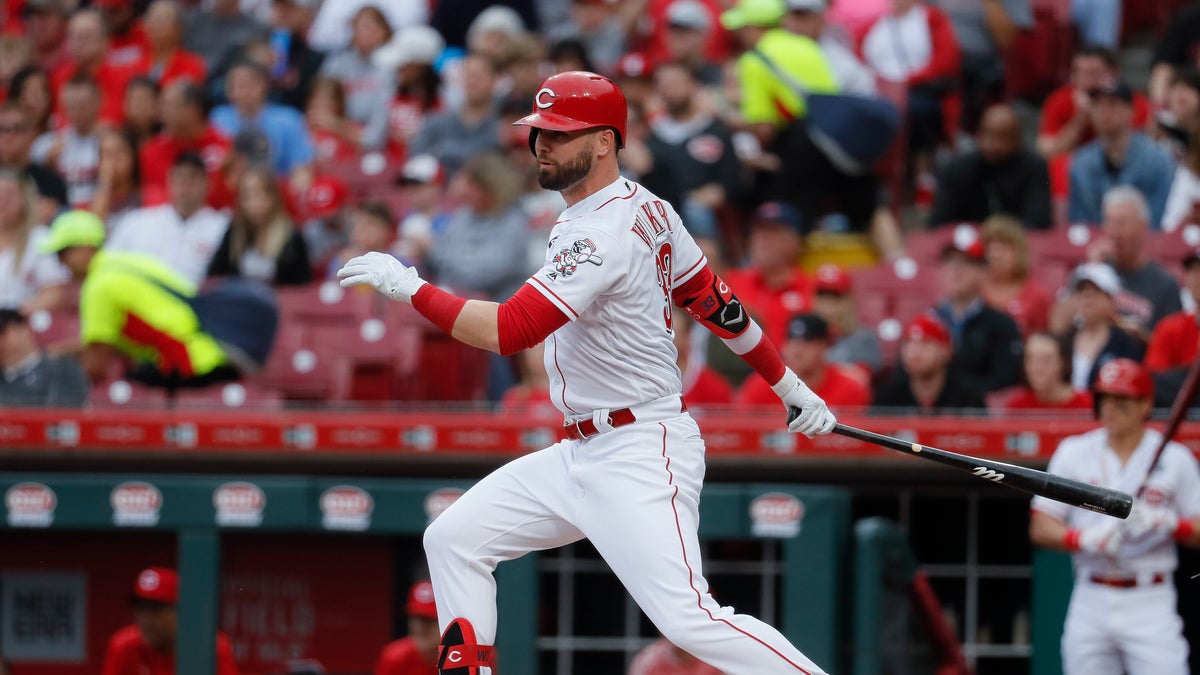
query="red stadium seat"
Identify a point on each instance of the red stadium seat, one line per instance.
(244, 395)
(324, 304)
(379, 355)
(1063, 245)
(119, 393)
(298, 371)
(55, 327)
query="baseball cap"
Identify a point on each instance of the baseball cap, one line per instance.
(325, 197)
(807, 327)
(74, 228)
(421, 169)
(831, 278)
(806, 5)
(926, 327)
(36, 6)
(634, 65)
(687, 14)
(765, 13)
(157, 584)
(412, 44)
(965, 242)
(254, 145)
(420, 600)
(1100, 274)
(1113, 88)
(779, 212)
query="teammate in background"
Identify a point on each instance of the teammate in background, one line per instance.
(1047, 378)
(805, 352)
(629, 474)
(417, 653)
(664, 658)
(925, 381)
(1122, 616)
(147, 646)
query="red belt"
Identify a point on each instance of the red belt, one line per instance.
(1126, 582)
(579, 430)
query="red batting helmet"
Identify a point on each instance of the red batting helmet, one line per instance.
(1124, 377)
(577, 100)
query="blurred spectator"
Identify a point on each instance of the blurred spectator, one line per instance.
(804, 352)
(569, 54)
(1098, 21)
(999, 176)
(987, 344)
(417, 653)
(368, 87)
(30, 89)
(702, 386)
(915, 44)
(166, 61)
(16, 142)
(88, 45)
(455, 135)
(699, 148)
(652, 30)
(335, 138)
(422, 181)
(542, 206)
(320, 208)
(1047, 384)
(184, 233)
(531, 394)
(985, 31)
(487, 193)
(28, 377)
(185, 129)
(1183, 201)
(141, 109)
(147, 646)
(662, 657)
(925, 381)
(372, 228)
(126, 31)
(262, 242)
(492, 32)
(1119, 156)
(246, 85)
(294, 64)
(1094, 337)
(460, 22)
(1174, 123)
(46, 28)
(1007, 284)
(637, 162)
(118, 177)
(216, 32)
(409, 59)
(522, 67)
(1149, 291)
(853, 344)
(16, 54)
(132, 305)
(1178, 48)
(1174, 342)
(29, 279)
(686, 40)
(807, 18)
(73, 150)
(332, 28)
(1066, 120)
(771, 285)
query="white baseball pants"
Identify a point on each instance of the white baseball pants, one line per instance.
(1114, 631)
(634, 493)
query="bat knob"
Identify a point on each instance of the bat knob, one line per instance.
(793, 413)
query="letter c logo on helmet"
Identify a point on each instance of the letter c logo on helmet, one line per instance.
(577, 100)
(544, 98)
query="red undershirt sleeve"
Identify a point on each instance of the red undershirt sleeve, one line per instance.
(526, 319)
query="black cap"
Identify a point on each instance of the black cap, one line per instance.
(253, 145)
(1191, 258)
(1114, 89)
(10, 316)
(807, 327)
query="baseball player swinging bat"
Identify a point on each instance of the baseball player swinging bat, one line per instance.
(1091, 497)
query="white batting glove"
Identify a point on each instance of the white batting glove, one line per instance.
(383, 273)
(1103, 539)
(1146, 519)
(815, 417)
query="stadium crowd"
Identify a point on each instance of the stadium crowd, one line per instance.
(150, 150)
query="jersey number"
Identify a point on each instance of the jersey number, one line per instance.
(662, 264)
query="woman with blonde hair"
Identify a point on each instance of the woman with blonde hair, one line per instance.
(29, 279)
(262, 241)
(1008, 285)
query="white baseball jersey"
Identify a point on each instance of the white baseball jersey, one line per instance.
(1175, 484)
(612, 261)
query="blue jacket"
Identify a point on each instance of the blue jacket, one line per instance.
(1146, 168)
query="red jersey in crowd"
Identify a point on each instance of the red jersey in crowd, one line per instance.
(837, 389)
(661, 659)
(1025, 399)
(128, 654)
(406, 114)
(772, 307)
(1030, 308)
(402, 658)
(111, 81)
(182, 66)
(706, 387)
(1059, 108)
(159, 153)
(1173, 343)
(329, 147)
(126, 50)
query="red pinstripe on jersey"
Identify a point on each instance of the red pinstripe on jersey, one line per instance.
(613, 199)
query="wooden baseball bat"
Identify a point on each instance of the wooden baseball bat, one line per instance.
(1091, 497)
(1179, 407)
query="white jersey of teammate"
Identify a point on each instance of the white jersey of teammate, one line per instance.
(612, 261)
(1175, 484)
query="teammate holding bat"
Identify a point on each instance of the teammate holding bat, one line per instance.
(1122, 616)
(629, 475)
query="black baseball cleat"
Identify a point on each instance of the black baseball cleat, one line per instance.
(459, 654)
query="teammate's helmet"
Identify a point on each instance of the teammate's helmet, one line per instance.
(1124, 377)
(577, 100)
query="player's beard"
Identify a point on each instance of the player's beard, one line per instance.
(568, 173)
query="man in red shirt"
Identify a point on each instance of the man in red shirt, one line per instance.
(166, 61)
(88, 45)
(1175, 340)
(1066, 119)
(147, 646)
(772, 286)
(417, 653)
(804, 352)
(664, 658)
(127, 39)
(185, 129)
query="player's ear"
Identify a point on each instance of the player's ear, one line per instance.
(606, 143)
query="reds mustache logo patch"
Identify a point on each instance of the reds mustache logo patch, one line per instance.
(567, 260)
